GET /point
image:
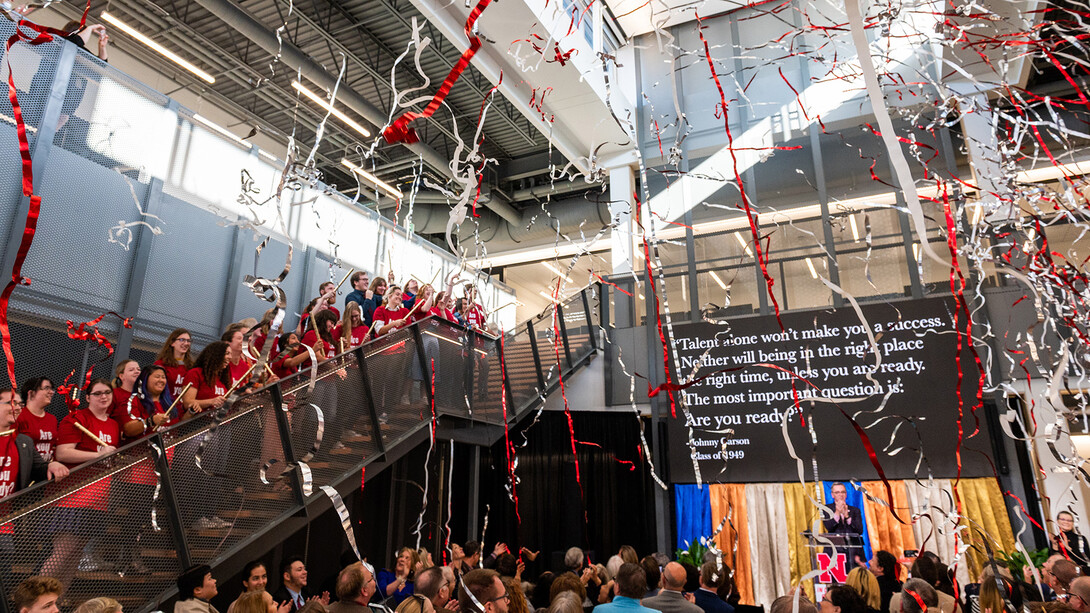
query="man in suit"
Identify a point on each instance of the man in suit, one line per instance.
(707, 597)
(355, 587)
(630, 586)
(293, 586)
(671, 599)
(847, 520)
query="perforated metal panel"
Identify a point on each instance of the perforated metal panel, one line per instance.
(187, 272)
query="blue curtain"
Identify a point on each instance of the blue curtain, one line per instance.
(693, 508)
(855, 499)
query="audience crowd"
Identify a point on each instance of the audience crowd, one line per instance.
(497, 583)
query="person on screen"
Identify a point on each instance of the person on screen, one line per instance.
(847, 520)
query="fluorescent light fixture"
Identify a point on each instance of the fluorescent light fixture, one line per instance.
(550, 297)
(221, 130)
(855, 230)
(325, 104)
(167, 53)
(743, 243)
(556, 271)
(717, 279)
(810, 265)
(372, 179)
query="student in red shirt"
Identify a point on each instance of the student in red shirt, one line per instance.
(174, 356)
(389, 317)
(392, 315)
(321, 340)
(86, 507)
(155, 398)
(20, 464)
(258, 338)
(208, 379)
(475, 315)
(34, 421)
(444, 307)
(351, 332)
(288, 362)
(209, 383)
(426, 301)
(325, 301)
(237, 364)
(126, 407)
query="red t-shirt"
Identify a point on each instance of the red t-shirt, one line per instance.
(447, 314)
(9, 468)
(204, 391)
(475, 316)
(175, 377)
(257, 343)
(359, 334)
(122, 406)
(310, 339)
(386, 316)
(97, 494)
(237, 371)
(283, 371)
(42, 430)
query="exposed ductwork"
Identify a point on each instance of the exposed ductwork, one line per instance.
(536, 226)
(293, 57)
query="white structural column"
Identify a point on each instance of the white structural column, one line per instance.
(978, 126)
(622, 185)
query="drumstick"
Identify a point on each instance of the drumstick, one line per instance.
(348, 274)
(179, 398)
(90, 434)
(240, 379)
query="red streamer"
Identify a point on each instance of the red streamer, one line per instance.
(399, 131)
(30, 226)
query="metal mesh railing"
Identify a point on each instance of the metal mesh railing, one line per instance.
(126, 525)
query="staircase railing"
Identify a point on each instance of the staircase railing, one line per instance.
(204, 489)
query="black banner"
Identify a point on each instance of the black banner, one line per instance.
(907, 406)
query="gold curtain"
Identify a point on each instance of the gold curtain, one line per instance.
(801, 514)
(885, 531)
(984, 511)
(729, 499)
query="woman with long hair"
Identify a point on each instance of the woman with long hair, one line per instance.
(351, 331)
(175, 357)
(126, 406)
(370, 305)
(208, 379)
(238, 365)
(209, 382)
(866, 585)
(155, 396)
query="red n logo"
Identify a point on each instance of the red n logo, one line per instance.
(832, 570)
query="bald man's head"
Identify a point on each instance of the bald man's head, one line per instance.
(674, 577)
(1080, 594)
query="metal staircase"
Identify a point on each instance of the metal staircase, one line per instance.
(258, 464)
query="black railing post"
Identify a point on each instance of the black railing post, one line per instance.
(166, 483)
(590, 320)
(537, 355)
(424, 366)
(563, 332)
(284, 427)
(470, 344)
(370, 398)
